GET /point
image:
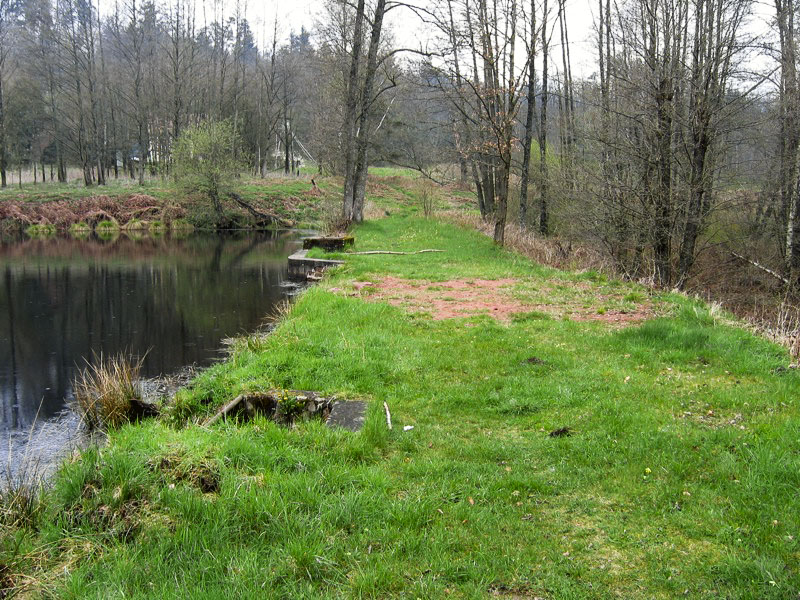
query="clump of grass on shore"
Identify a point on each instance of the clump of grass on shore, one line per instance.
(20, 493)
(104, 391)
(135, 225)
(41, 231)
(107, 230)
(107, 225)
(181, 225)
(157, 228)
(80, 230)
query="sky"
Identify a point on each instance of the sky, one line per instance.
(408, 31)
(405, 26)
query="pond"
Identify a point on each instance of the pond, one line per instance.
(170, 299)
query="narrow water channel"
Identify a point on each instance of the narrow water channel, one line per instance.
(63, 301)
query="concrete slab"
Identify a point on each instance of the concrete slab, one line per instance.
(300, 265)
(348, 415)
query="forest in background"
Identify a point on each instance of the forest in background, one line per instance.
(678, 157)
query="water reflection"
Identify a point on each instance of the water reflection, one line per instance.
(62, 300)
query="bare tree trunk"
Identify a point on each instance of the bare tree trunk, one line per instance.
(3, 151)
(544, 217)
(362, 139)
(527, 145)
(351, 115)
(566, 104)
(285, 142)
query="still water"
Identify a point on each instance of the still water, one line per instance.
(62, 301)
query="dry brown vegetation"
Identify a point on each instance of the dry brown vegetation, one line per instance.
(91, 210)
(105, 392)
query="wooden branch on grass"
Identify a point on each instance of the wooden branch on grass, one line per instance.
(225, 410)
(767, 270)
(393, 252)
(388, 415)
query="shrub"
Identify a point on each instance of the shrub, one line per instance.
(333, 221)
(426, 196)
(208, 158)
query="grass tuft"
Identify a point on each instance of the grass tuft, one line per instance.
(41, 231)
(105, 391)
(157, 228)
(80, 230)
(107, 225)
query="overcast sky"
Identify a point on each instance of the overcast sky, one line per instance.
(408, 31)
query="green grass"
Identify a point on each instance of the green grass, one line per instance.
(40, 231)
(394, 172)
(80, 230)
(158, 228)
(680, 476)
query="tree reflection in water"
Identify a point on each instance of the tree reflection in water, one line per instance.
(176, 299)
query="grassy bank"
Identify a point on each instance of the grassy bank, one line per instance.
(594, 441)
(162, 202)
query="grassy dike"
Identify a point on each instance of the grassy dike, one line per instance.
(680, 477)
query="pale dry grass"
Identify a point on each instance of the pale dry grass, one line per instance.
(104, 391)
(781, 326)
(332, 222)
(550, 251)
(373, 212)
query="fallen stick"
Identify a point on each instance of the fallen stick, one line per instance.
(388, 415)
(224, 410)
(393, 252)
(762, 267)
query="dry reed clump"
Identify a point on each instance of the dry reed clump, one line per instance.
(106, 390)
(550, 251)
(63, 213)
(20, 489)
(20, 501)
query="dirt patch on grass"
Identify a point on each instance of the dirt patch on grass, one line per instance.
(460, 298)
(452, 299)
